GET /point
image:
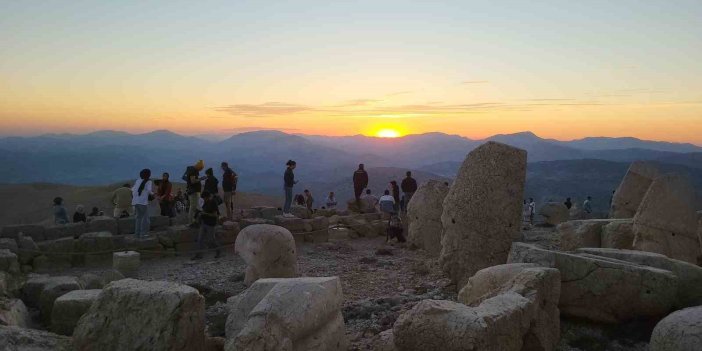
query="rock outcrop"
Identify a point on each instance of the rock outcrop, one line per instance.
(581, 233)
(68, 309)
(133, 314)
(666, 221)
(618, 234)
(632, 189)
(13, 312)
(287, 314)
(554, 213)
(424, 216)
(25, 339)
(680, 331)
(269, 252)
(483, 206)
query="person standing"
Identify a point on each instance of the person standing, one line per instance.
(229, 182)
(208, 224)
(330, 201)
(360, 181)
(288, 183)
(532, 210)
(526, 212)
(409, 187)
(587, 206)
(79, 215)
(212, 185)
(309, 200)
(122, 199)
(395, 191)
(165, 196)
(568, 203)
(60, 215)
(142, 193)
(194, 188)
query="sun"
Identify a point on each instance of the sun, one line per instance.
(387, 133)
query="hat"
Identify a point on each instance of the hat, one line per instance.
(200, 165)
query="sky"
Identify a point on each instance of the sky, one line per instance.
(561, 69)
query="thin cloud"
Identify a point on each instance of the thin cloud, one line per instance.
(475, 81)
(359, 102)
(405, 92)
(264, 110)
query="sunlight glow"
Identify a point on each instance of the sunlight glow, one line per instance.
(387, 133)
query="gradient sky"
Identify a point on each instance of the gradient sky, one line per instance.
(562, 69)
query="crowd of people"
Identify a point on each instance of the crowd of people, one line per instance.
(529, 208)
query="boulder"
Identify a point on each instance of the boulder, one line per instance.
(91, 281)
(604, 290)
(60, 231)
(102, 224)
(689, 276)
(126, 225)
(178, 234)
(294, 225)
(618, 234)
(25, 339)
(126, 262)
(360, 226)
(679, 331)
(666, 222)
(9, 244)
(158, 223)
(13, 312)
(320, 223)
(60, 252)
(68, 309)
(55, 287)
(355, 206)
(133, 314)
(632, 189)
(424, 216)
(287, 314)
(326, 212)
(28, 249)
(9, 261)
(269, 252)
(253, 221)
(35, 231)
(300, 212)
(268, 213)
(483, 205)
(581, 233)
(227, 233)
(554, 213)
(97, 248)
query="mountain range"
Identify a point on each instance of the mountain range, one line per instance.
(325, 163)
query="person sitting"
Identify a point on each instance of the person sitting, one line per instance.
(387, 203)
(309, 200)
(369, 202)
(300, 200)
(79, 215)
(95, 212)
(60, 215)
(331, 201)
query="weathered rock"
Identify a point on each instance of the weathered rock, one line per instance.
(8, 261)
(554, 213)
(269, 252)
(127, 263)
(28, 249)
(619, 234)
(424, 216)
(268, 213)
(60, 251)
(326, 212)
(178, 234)
(102, 224)
(287, 314)
(158, 223)
(32, 230)
(604, 290)
(13, 312)
(360, 226)
(300, 212)
(25, 339)
(632, 189)
(294, 225)
(483, 206)
(55, 287)
(126, 225)
(581, 233)
(60, 231)
(143, 315)
(679, 331)
(228, 232)
(97, 248)
(91, 281)
(342, 233)
(253, 221)
(68, 309)
(9, 244)
(666, 221)
(689, 276)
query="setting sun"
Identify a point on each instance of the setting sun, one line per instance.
(387, 133)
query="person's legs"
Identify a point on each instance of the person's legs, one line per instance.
(288, 200)
(228, 198)
(147, 222)
(408, 197)
(141, 221)
(194, 200)
(212, 238)
(357, 192)
(200, 241)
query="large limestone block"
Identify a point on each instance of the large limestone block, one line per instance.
(294, 225)
(126, 225)
(554, 213)
(25, 339)
(13, 312)
(52, 290)
(300, 212)
(632, 189)
(360, 226)
(97, 248)
(158, 223)
(126, 262)
(424, 216)
(133, 314)
(483, 206)
(604, 290)
(68, 309)
(32, 230)
(178, 234)
(269, 252)
(268, 213)
(28, 249)
(253, 221)
(581, 233)
(679, 331)
(666, 221)
(103, 224)
(287, 314)
(689, 292)
(60, 252)
(69, 230)
(619, 234)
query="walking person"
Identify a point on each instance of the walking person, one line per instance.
(60, 215)
(165, 196)
(532, 210)
(122, 200)
(330, 201)
(229, 182)
(208, 224)
(194, 188)
(79, 215)
(409, 187)
(360, 181)
(142, 193)
(309, 200)
(288, 183)
(395, 191)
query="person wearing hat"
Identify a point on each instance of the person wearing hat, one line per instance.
(194, 188)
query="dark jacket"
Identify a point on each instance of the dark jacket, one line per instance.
(409, 185)
(396, 193)
(360, 179)
(79, 217)
(193, 187)
(289, 178)
(211, 184)
(229, 181)
(210, 212)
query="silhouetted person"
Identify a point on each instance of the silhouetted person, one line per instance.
(360, 181)
(122, 199)
(288, 183)
(568, 203)
(526, 212)
(409, 187)
(165, 196)
(330, 201)
(208, 223)
(309, 200)
(194, 188)
(142, 193)
(587, 205)
(79, 215)
(212, 185)
(60, 215)
(395, 190)
(229, 183)
(532, 210)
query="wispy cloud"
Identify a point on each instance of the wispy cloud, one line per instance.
(475, 81)
(398, 93)
(263, 110)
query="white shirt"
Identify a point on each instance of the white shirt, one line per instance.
(387, 198)
(142, 199)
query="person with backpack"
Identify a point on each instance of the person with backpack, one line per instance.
(60, 215)
(409, 187)
(142, 193)
(288, 183)
(208, 224)
(360, 181)
(229, 182)
(122, 199)
(165, 196)
(194, 188)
